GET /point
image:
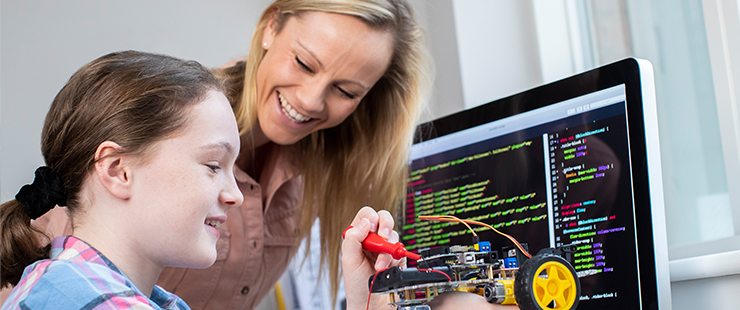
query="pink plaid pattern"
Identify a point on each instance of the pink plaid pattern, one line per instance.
(79, 277)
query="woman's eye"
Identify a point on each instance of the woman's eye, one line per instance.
(346, 94)
(303, 65)
(213, 167)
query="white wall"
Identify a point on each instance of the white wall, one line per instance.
(497, 46)
(437, 19)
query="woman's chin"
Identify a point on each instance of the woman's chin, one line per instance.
(285, 139)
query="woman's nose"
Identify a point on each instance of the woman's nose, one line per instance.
(313, 96)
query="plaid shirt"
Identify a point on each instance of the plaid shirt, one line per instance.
(79, 277)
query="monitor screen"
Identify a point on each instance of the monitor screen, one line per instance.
(571, 162)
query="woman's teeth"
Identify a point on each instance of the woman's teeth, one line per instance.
(290, 112)
(213, 223)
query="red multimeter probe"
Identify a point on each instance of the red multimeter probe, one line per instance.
(377, 244)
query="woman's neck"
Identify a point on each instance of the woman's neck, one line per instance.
(254, 148)
(254, 138)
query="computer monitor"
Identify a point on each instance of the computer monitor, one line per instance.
(575, 161)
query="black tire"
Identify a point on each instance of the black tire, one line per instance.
(524, 285)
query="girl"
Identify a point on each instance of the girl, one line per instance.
(140, 148)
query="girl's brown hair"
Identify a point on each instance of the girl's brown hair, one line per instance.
(362, 161)
(131, 98)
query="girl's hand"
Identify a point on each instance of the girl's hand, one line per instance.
(359, 265)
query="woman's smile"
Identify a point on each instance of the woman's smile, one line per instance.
(290, 112)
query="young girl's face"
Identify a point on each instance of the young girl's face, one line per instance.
(315, 72)
(184, 187)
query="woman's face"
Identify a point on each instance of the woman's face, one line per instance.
(315, 72)
(181, 193)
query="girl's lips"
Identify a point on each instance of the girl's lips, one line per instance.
(214, 231)
(212, 224)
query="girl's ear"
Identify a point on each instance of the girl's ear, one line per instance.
(112, 171)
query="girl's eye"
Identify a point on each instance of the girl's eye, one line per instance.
(213, 168)
(303, 65)
(346, 94)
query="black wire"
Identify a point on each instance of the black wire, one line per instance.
(421, 258)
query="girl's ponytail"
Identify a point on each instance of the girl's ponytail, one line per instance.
(21, 243)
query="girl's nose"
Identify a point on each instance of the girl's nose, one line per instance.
(231, 196)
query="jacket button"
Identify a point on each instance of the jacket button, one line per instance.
(245, 290)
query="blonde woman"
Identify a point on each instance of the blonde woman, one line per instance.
(327, 102)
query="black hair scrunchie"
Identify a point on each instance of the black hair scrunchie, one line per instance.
(46, 191)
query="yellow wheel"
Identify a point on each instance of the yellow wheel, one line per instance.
(547, 282)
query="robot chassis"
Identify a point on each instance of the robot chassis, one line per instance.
(546, 281)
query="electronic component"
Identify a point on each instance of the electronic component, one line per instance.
(484, 246)
(395, 277)
(513, 257)
(544, 281)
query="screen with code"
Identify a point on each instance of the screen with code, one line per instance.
(555, 175)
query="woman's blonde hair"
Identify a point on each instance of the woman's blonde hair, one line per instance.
(362, 161)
